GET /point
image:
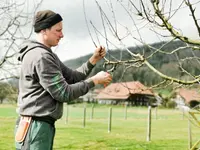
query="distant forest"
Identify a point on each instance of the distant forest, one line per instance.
(167, 64)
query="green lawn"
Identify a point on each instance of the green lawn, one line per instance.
(169, 130)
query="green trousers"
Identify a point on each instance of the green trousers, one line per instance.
(40, 136)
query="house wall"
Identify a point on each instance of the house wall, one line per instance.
(111, 102)
(138, 100)
(133, 100)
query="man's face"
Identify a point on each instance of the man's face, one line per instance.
(54, 34)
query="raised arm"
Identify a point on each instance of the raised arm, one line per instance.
(52, 80)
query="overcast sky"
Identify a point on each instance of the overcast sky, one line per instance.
(77, 42)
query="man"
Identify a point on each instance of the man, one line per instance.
(45, 83)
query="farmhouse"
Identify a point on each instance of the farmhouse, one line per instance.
(189, 97)
(131, 93)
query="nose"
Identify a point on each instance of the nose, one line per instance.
(61, 35)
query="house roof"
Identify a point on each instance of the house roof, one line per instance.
(189, 94)
(123, 90)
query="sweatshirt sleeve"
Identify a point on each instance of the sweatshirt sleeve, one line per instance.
(73, 76)
(52, 80)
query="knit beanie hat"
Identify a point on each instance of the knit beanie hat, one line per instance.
(45, 19)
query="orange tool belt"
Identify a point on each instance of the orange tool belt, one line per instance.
(23, 127)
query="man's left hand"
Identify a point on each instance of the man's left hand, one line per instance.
(99, 53)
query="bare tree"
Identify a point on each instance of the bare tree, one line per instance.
(157, 21)
(16, 18)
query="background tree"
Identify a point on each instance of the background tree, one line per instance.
(7, 92)
(16, 18)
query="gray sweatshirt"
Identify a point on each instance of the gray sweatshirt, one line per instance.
(46, 83)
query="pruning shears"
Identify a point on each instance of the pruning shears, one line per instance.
(109, 71)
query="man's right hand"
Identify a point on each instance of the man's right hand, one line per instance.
(102, 77)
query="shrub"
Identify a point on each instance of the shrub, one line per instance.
(171, 104)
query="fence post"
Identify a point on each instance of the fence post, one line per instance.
(156, 112)
(189, 135)
(149, 125)
(84, 116)
(109, 120)
(125, 112)
(92, 112)
(66, 114)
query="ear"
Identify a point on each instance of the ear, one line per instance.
(43, 31)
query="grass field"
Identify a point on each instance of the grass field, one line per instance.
(169, 130)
